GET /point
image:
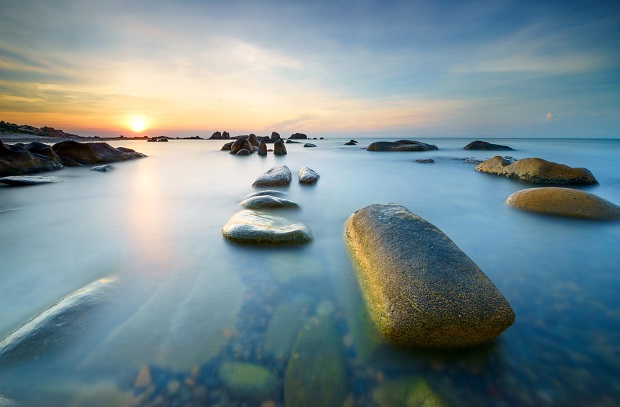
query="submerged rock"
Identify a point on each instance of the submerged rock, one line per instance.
(279, 148)
(281, 333)
(103, 168)
(268, 202)
(248, 382)
(564, 202)
(408, 392)
(93, 153)
(400, 145)
(425, 161)
(271, 192)
(309, 145)
(316, 373)
(308, 176)
(23, 180)
(52, 327)
(483, 145)
(257, 228)
(274, 177)
(538, 171)
(420, 289)
(19, 161)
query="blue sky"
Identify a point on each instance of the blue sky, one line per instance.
(377, 68)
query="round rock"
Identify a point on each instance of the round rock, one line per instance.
(538, 171)
(255, 228)
(308, 176)
(275, 177)
(267, 202)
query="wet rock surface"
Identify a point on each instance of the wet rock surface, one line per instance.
(308, 176)
(420, 289)
(255, 228)
(267, 202)
(564, 202)
(537, 170)
(274, 177)
(93, 153)
(15, 160)
(24, 180)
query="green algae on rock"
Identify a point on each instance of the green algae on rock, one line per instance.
(408, 392)
(420, 289)
(247, 381)
(564, 202)
(537, 170)
(257, 228)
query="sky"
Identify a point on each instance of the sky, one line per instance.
(439, 68)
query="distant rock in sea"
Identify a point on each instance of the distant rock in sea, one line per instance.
(400, 145)
(309, 145)
(298, 136)
(351, 143)
(483, 145)
(564, 202)
(537, 170)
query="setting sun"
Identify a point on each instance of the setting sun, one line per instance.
(137, 123)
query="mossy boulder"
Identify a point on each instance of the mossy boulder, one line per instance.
(316, 373)
(537, 170)
(257, 228)
(421, 290)
(564, 202)
(249, 382)
(408, 392)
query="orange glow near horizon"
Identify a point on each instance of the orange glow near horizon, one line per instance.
(137, 123)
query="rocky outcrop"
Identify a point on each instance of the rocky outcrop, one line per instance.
(24, 180)
(316, 373)
(275, 136)
(227, 146)
(267, 202)
(241, 143)
(17, 160)
(255, 228)
(308, 176)
(248, 382)
(537, 170)
(420, 289)
(262, 148)
(216, 136)
(253, 140)
(225, 135)
(279, 148)
(351, 143)
(400, 145)
(483, 145)
(274, 177)
(298, 136)
(93, 153)
(564, 202)
(42, 149)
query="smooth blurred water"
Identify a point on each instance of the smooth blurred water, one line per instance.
(182, 295)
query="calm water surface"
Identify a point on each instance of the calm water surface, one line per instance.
(174, 299)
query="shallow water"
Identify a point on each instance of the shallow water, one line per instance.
(182, 300)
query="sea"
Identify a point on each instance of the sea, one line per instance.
(118, 288)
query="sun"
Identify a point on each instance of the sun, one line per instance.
(137, 123)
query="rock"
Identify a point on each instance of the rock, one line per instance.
(420, 289)
(283, 327)
(257, 228)
(564, 202)
(483, 145)
(275, 177)
(275, 136)
(52, 327)
(71, 163)
(279, 148)
(243, 151)
(400, 145)
(538, 171)
(216, 136)
(42, 149)
(262, 148)
(227, 146)
(425, 161)
(225, 135)
(309, 145)
(92, 153)
(253, 140)
(268, 202)
(316, 373)
(248, 382)
(308, 176)
(23, 180)
(407, 392)
(351, 143)
(143, 379)
(22, 162)
(241, 143)
(271, 192)
(298, 136)
(103, 168)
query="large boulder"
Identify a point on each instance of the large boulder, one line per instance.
(298, 136)
(255, 228)
(241, 143)
(19, 161)
(483, 145)
(227, 146)
(267, 202)
(279, 148)
(46, 150)
(93, 153)
(537, 170)
(400, 145)
(275, 136)
(308, 176)
(253, 140)
(245, 381)
(274, 177)
(316, 373)
(564, 202)
(420, 289)
(262, 148)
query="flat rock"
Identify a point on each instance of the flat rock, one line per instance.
(103, 168)
(483, 145)
(564, 202)
(308, 176)
(22, 180)
(537, 170)
(272, 192)
(420, 289)
(309, 145)
(19, 161)
(400, 145)
(255, 228)
(93, 153)
(248, 382)
(425, 161)
(268, 202)
(275, 177)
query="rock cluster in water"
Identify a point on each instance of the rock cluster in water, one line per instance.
(537, 170)
(564, 202)
(420, 289)
(400, 145)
